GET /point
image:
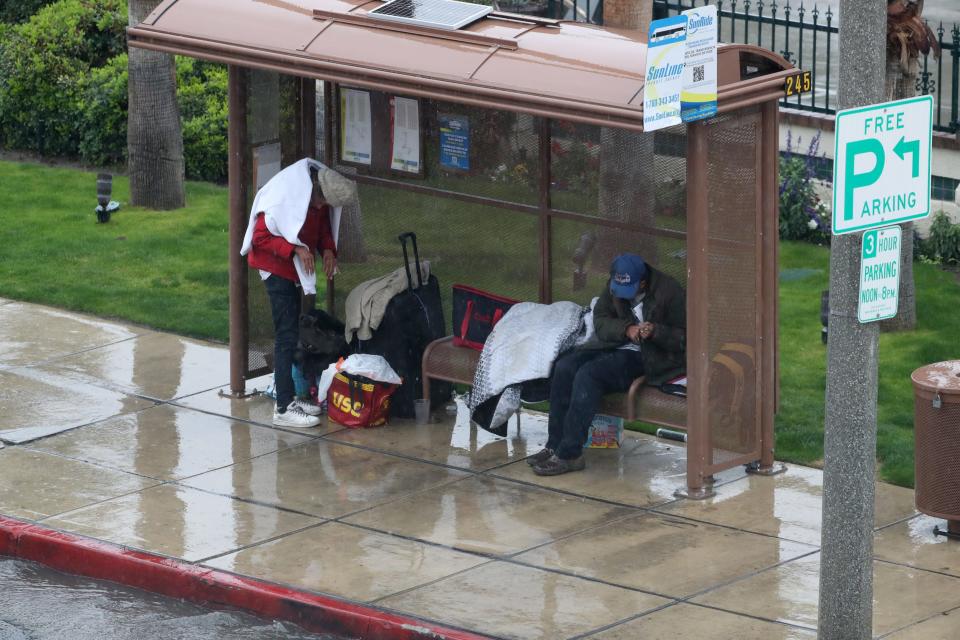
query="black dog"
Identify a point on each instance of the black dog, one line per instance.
(321, 343)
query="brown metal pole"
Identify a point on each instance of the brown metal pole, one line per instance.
(698, 359)
(329, 120)
(546, 235)
(237, 171)
(769, 213)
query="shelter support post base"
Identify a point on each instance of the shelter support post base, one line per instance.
(774, 469)
(952, 531)
(699, 493)
(238, 395)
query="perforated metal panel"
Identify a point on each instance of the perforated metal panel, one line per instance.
(734, 287)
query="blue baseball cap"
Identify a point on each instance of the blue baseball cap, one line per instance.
(626, 272)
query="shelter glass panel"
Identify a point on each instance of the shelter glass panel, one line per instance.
(481, 246)
(734, 173)
(274, 140)
(453, 147)
(581, 253)
(617, 174)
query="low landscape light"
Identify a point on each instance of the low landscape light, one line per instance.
(105, 206)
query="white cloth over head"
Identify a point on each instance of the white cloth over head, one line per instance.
(284, 201)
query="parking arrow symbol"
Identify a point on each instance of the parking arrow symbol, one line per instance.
(913, 148)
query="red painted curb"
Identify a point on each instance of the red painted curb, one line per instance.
(179, 579)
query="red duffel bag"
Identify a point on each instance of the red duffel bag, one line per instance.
(357, 402)
(475, 313)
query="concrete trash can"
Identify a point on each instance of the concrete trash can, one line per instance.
(936, 433)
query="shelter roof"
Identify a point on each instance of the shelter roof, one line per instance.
(545, 67)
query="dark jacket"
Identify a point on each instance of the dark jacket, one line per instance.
(665, 305)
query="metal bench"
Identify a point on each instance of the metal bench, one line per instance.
(443, 360)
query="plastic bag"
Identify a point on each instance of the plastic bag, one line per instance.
(370, 366)
(359, 364)
(326, 379)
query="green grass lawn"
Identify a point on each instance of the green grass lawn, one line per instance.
(168, 270)
(803, 359)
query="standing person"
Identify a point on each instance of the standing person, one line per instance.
(295, 218)
(641, 328)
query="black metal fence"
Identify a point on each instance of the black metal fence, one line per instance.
(806, 35)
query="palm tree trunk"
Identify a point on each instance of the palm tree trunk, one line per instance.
(902, 84)
(154, 137)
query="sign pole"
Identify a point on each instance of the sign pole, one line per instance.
(850, 429)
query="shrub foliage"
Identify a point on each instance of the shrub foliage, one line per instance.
(63, 89)
(943, 243)
(803, 215)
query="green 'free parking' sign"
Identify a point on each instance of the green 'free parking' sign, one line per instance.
(881, 167)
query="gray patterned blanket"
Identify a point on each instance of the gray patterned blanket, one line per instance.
(522, 347)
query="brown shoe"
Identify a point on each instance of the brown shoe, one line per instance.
(554, 466)
(540, 457)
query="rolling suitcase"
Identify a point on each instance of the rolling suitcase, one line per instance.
(412, 320)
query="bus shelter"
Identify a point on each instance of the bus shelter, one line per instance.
(514, 147)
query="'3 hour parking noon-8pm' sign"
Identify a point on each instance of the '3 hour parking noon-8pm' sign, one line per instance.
(881, 168)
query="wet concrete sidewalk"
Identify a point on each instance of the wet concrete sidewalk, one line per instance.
(120, 434)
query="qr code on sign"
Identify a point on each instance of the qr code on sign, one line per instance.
(698, 73)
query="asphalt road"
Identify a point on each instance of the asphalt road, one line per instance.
(37, 603)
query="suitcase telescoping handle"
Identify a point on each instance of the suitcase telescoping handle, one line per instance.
(416, 256)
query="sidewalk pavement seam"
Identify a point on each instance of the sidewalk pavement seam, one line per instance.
(176, 481)
(658, 511)
(624, 621)
(672, 602)
(510, 558)
(86, 424)
(54, 359)
(313, 435)
(430, 583)
(593, 632)
(895, 523)
(430, 543)
(578, 576)
(792, 625)
(637, 513)
(243, 461)
(315, 525)
(702, 606)
(256, 503)
(93, 463)
(566, 492)
(746, 576)
(904, 565)
(918, 622)
(93, 504)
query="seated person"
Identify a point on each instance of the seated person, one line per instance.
(641, 326)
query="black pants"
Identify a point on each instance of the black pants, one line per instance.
(285, 306)
(580, 380)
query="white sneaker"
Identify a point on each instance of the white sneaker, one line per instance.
(294, 417)
(307, 407)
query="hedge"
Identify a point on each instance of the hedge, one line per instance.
(63, 90)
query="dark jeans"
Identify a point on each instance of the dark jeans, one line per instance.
(285, 306)
(580, 380)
